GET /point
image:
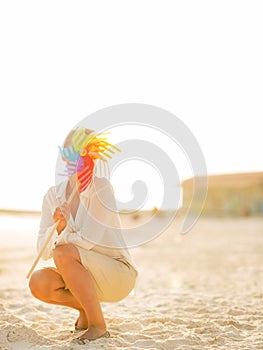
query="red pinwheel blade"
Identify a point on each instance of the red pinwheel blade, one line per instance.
(84, 178)
(86, 173)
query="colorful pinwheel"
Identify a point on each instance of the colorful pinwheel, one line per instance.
(84, 149)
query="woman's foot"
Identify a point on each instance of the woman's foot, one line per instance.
(92, 334)
(82, 322)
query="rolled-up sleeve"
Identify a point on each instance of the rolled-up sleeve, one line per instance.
(46, 225)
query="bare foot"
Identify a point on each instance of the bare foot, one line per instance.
(93, 334)
(82, 322)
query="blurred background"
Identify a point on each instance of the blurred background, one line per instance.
(61, 62)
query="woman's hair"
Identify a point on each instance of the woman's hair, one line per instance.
(68, 139)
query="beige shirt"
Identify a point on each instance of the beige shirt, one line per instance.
(96, 225)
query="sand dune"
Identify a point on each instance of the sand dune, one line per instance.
(198, 291)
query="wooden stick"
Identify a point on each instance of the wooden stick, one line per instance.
(48, 238)
(42, 250)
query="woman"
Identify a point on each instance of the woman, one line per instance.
(92, 263)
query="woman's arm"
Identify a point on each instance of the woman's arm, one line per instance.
(95, 220)
(46, 225)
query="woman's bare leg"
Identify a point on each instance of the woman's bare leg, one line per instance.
(48, 286)
(81, 286)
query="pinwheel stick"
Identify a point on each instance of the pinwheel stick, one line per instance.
(49, 238)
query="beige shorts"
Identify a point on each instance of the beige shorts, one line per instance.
(113, 279)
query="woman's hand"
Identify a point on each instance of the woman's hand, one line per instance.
(62, 214)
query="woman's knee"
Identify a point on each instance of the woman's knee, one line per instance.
(39, 284)
(63, 254)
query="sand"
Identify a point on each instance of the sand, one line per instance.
(203, 290)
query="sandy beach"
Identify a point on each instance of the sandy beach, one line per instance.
(203, 290)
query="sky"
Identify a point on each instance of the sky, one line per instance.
(61, 61)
